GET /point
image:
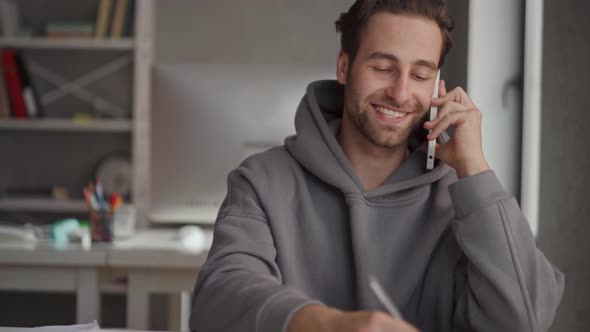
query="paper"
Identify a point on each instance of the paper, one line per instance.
(90, 327)
(166, 240)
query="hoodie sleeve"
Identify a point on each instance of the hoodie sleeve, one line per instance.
(504, 283)
(240, 286)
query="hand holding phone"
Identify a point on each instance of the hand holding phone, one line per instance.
(454, 110)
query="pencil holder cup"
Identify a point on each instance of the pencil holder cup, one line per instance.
(124, 222)
(101, 226)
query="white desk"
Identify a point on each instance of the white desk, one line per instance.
(155, 263)
(44, 268)
(154, 266)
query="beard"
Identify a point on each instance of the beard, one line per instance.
(385, 136)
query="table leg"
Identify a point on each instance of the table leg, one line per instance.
(87, 296)
(185, 310)
(174, 311)
(137, 302)
(179, 310)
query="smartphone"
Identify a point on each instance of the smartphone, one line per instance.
(433, 115)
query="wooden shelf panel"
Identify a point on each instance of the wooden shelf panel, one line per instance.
(33, 204)
(100, 125)
(122, 44)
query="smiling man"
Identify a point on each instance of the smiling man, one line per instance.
(305, 225)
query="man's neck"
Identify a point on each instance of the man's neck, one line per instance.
(371, 163)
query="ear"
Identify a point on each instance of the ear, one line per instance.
(342, 67)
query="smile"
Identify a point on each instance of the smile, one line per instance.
(389, 112)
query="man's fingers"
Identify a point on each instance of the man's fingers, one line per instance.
(403, 326)
(453, 118)
(382, 322)
(395, 325)
(442, 88)
(445, 122)
(457, 95)
(446, 109)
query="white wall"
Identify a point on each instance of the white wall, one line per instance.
(256, 31)
(240, 46)
(495, 58)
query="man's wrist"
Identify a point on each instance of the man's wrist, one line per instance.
(472, 168)
(313, 317)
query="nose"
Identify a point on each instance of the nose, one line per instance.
(398, 89)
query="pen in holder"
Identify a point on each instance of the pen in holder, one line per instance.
(101, 225)
(101, 212)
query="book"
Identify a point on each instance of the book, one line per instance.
(71, 35)
(29, 93)
(103, 18)
(4, 106)
(9, 18)
(13, 84)
(121, 7)
(129, 29)
(70, 30)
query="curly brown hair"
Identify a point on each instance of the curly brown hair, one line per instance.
(350, 23)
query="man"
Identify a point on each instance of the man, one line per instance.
(304, 225)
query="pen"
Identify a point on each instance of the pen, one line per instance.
(89, 199)
(383, 298)
(99, 194)
(115, 201)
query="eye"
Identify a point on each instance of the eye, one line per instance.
(381, 69)
(421, 78)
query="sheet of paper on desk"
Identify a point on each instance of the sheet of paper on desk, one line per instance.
(185, 239)
(17, 237)
(90, 327)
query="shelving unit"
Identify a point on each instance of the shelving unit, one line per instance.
(75, 146)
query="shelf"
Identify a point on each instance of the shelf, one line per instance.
(122, 44)
(42, 205)
(47, 124)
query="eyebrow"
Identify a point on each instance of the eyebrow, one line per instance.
(393, 58)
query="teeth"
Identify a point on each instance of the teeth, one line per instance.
(389, 113)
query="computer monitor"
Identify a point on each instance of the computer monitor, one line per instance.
(206, 119)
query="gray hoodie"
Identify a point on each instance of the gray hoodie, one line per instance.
(297, 227)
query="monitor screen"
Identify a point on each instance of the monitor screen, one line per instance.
(206, 119)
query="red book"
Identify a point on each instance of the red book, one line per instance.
(13, 84)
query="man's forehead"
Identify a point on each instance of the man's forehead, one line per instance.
(405, 37)
(394, 58)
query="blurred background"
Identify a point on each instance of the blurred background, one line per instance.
(142, 107)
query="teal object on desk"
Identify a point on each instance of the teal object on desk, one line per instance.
(61, 230)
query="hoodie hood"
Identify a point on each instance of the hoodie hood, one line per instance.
(316, 148)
